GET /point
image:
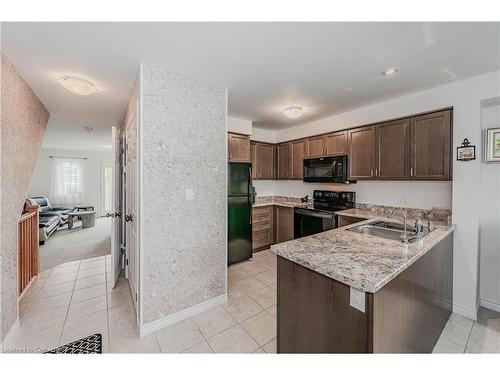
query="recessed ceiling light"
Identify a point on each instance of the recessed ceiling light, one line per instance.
(390, 72)
(293, 112)
(88, 129)
(78, 86)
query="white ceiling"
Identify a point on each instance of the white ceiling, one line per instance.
(325, 67)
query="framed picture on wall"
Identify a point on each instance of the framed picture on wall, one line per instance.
(492, 145)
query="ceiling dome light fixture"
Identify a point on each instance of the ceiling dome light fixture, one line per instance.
(88, 129)
(78, 86)
(389, 72)
(293, 112)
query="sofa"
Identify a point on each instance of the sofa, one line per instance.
(50, 217)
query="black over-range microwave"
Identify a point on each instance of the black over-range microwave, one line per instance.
(327, 169)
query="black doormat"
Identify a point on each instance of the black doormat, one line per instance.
(88, 345)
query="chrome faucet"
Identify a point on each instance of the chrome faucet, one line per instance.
(419, 227)
(404, 236)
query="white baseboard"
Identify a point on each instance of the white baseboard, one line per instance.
(490, 304)
(169, 320)
(14, 327)
(465, 312)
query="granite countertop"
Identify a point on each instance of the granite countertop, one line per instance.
(263, 201)
(359, 260)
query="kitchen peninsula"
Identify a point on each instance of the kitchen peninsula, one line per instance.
(342, 291)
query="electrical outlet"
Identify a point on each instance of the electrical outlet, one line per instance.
(357, 299)
(189, 194)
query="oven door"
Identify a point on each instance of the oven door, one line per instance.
(309, 221)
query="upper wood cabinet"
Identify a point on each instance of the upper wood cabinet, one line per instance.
(336, 143)
(238, 148)
(430, 157)
(283, 159)
(392, 150)
(298, 152)
(316, 147)
(262, 156)
(361, 153)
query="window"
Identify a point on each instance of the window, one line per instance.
(67, 185)
(106, 188)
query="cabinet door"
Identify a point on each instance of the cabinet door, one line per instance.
(336, 143)
(283, 161)
(392, 145)
(431, 146)
(239, 148)
(298, 154)
(265, 161)
(253, 159)
(316, 147)
(361, 153)
(284, 224)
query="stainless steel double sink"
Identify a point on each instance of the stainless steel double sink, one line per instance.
(389, 230)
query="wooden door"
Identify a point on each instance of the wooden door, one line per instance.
(253, 159)
(239, 148)
(361, 153)
(392, 145)
(116, 208)
(336, 143)
(284, 224)
(431, 146)
(131, 217)
(283, 161)
(316, 147)
(297, 164)
(265, 161)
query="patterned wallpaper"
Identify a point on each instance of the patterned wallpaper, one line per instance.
(23, 122)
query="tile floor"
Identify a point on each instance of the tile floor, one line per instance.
(75, 299)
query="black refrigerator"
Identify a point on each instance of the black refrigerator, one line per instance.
(241, 196)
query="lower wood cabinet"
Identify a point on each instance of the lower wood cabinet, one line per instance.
(283, 224)
(262, 227)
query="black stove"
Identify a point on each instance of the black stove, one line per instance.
(308, 221)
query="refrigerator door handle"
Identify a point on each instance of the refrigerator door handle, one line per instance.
(250, 193)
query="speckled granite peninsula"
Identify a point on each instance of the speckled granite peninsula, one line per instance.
(342, 291)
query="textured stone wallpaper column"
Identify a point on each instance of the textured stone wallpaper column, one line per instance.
(23, 122)
(184, 147)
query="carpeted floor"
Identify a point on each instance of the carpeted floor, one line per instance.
(66, 245)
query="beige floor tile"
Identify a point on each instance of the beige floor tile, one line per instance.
(249, 284)
(262, 327)
(52, 290)
(89, 272)
(33, 340)
(273, 310)
(444, 346)
(268, 277)
(259, 351)
(270, 347)
(117, 299)
(265, 297)
(24, 306)
(59, 279)
(236, 273)
(45, 319)
(233, 292)
(457, 330)
(483, 340)
(179, 337)
(242, 308)
(87, 325)
(200, 348)
(44, 274)
(67, 264)
(51, 303)
(81, 295)
(148, 344)
(64, 270)
(489, 318)
(94, 259)
(255, 267)
(90, 281)
(274, 286)
(87, 307)
(233, 340)
(213, 321)
(93, 264)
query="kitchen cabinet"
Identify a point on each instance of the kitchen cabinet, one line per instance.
(253, 159)
(283, 160)
(283, 224)
(392, 150)
(316, 147)
(264, 161)
(262, 227)
(430, 157)
(336, 143)
(298, 152)
(361, 153)
(238, 148)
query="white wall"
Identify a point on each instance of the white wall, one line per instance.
(42, 178)
(490, 220)
(238, 125)
(403, 194)
(465, 97)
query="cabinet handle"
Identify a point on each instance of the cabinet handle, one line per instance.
(376, 172)
(371, 172)
(411, 172)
